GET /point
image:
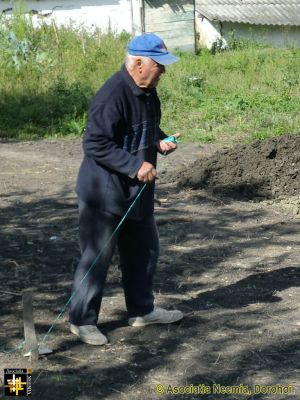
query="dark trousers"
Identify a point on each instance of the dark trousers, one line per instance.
(138, 247)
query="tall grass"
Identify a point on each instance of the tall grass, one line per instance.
(48, 76)
(237, 95)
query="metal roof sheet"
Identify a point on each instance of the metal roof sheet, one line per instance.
(259, 12)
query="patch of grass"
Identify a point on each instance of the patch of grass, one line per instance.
(48, 76)
(232, 96)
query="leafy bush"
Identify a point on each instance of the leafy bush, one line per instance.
(48, 75)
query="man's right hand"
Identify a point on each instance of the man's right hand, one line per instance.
(146, 173)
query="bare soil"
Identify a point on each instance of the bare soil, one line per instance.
(229, 226)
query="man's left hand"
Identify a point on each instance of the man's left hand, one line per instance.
(167, 147)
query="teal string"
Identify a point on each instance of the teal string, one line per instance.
(63, 310)
(18, 347)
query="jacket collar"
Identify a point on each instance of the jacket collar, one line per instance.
(137, 91)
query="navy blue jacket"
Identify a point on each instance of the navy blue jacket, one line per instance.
(121, 133)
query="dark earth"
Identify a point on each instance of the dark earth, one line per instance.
(268, 169)
(228, 220)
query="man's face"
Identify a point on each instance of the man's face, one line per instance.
(150, 73)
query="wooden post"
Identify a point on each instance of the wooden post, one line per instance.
(31, 344)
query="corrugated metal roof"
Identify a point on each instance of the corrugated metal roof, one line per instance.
(259, 12)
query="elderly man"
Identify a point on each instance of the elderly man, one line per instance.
(120, 145)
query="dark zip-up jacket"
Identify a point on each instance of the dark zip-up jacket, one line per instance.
(121, 133)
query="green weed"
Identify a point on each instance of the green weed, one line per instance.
(48, 76)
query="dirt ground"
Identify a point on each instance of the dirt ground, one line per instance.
(228, 220)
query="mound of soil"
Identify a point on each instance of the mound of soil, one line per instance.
(263, 169)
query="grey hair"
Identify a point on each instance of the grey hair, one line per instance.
(129, 60)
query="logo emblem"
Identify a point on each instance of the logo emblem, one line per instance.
(17, 382)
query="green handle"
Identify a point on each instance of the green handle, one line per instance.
(170, 139)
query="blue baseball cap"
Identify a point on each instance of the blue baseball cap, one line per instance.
(151, 45)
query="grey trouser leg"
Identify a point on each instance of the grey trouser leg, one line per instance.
(138, 246)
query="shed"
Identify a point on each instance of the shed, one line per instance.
(276, 22)
(173, 20)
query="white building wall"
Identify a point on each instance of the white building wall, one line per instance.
(103, 14)
(208, 33)
(275, 35)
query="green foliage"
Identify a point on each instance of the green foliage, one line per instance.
(235, 43)
(249, 92)
(48, 76)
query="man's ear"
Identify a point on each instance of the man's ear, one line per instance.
(139, 64)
